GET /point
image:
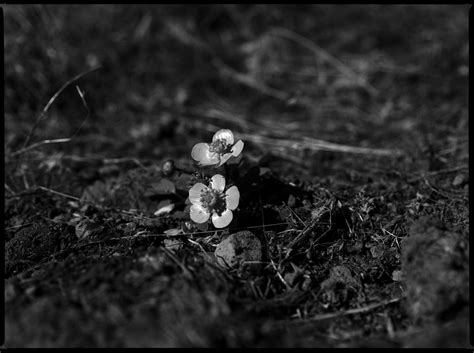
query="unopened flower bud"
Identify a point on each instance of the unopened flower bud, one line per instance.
(168, 167)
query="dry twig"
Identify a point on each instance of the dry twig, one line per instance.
(360, 310)
(51, 101)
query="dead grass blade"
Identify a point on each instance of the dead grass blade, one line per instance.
(360, 310)
(37, 144)
(324, 55)
(51, 101)
(317, 145)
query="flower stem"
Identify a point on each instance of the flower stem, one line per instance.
(226, 172)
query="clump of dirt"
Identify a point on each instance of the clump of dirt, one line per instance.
(35, 243)
(435, 270)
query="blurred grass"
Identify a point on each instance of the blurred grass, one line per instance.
(368, 75)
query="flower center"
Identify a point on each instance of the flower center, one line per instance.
(219, 146)
(214, 201)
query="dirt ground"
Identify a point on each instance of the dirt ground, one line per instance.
(354, 177)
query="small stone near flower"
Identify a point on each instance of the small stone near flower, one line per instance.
(238, 248)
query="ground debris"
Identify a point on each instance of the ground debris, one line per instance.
(34, 243)
(435, 272)
(341, 286)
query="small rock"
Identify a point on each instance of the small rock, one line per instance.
(238, 248)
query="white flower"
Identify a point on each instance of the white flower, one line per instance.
(212, 202)
(219, 150)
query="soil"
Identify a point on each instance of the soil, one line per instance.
(352, 228)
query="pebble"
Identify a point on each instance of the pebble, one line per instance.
(238, 248)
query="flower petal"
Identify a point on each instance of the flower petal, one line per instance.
(198, 214)
(212, 159)
(224, 134)
(222, 220)
(237, 148)
(195, 192)
(218, 182)
(203, 155)
(232, 197)
(224, 158)
(200, 151)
